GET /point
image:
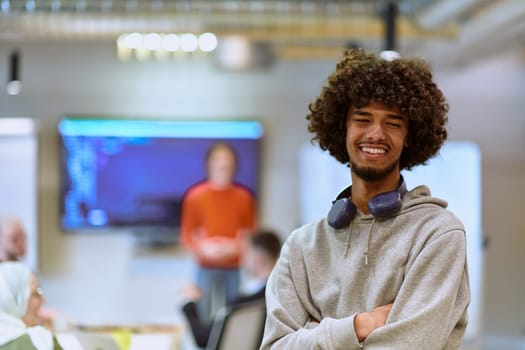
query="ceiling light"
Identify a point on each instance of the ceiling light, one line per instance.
(171, 42)
(134, 40)
(152, 41)
(189, 42)
(389, 55)
(207, 42)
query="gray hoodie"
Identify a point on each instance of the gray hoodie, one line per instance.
(415, 259)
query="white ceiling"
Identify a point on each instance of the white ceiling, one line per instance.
(449, 31)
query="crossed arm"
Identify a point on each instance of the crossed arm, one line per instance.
(429, 311)
(366, 322)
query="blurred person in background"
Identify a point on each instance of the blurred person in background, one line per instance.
(13, 247)
(258, 261)
(217, 214)
(12, 239)
(20, 301)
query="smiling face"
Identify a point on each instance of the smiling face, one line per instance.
(375, 138)
(221, 167)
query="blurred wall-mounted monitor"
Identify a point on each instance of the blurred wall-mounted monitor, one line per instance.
(129, 174)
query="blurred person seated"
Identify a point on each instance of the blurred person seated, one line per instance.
(12, 239)
(20, 301)
(13, 247)
(258, 261)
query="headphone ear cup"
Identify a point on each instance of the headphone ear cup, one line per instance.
(342, 213)
(381, 205)
(385, 204)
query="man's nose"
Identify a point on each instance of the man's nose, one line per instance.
(375, 132)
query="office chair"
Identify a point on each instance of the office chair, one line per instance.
(238, 327)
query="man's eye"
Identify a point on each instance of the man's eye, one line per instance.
(395, 125)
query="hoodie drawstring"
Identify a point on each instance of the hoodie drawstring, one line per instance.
(368, 243)
(347, 241)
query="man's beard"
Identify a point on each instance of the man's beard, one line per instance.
(372, 174)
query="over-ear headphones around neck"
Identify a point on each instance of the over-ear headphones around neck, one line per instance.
(381, 205)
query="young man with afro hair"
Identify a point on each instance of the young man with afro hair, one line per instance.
(386, 269)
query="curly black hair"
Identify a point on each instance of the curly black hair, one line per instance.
(406, 83)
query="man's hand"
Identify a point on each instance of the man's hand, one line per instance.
(366, 322)
(218, 249)
(191, 292)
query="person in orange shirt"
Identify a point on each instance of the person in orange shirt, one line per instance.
(217, 214)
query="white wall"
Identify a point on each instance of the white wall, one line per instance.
(459, 163)
(18, 178)
(88, 79)
(486, 108)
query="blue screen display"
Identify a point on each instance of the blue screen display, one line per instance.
(122, 173)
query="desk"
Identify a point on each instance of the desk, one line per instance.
(144, 337)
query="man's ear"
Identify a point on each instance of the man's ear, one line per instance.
(406, 143)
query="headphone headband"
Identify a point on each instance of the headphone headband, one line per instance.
(381, 205)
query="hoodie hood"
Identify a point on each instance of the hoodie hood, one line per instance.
(420, 195)
(419, 198)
